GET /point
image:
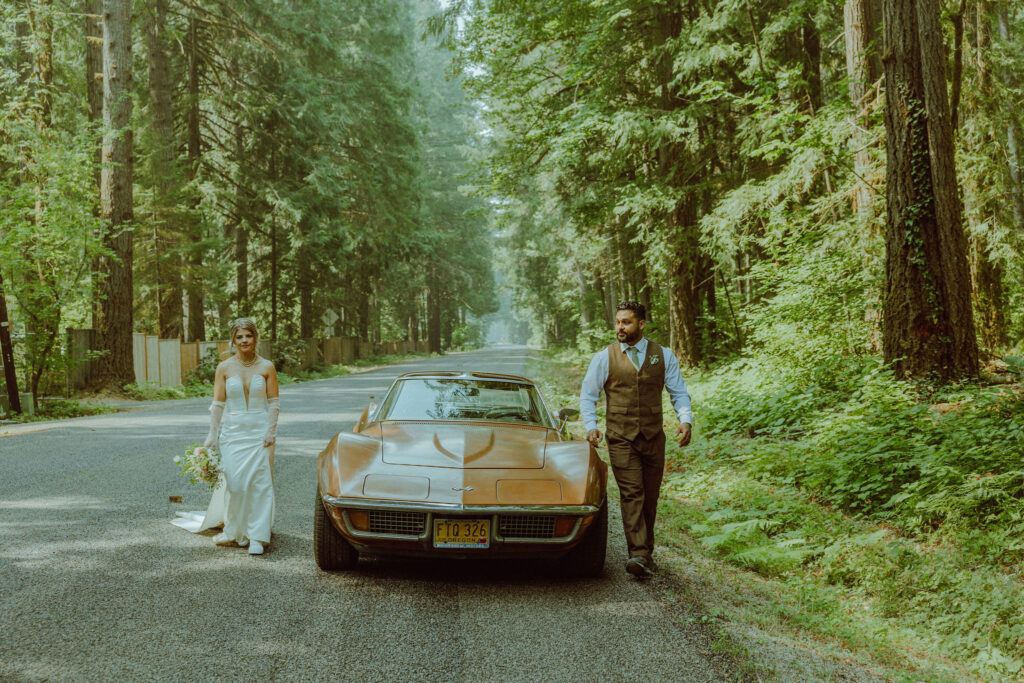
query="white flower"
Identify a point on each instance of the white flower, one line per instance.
(177, 459)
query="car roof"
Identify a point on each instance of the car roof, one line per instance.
(463, 374)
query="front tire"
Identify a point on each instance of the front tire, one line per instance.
(587, 558)
(331, 550)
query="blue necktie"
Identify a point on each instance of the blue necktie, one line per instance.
(633, 358)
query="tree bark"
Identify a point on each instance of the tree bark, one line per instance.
(433, 314)
(928, 326)
(305, 287)
(958, 64)
(986, 272)
(363, 312)
(863, 68)
(1012, 131)
(242, 207)
(581, 288)
(685, 340)
(414, 323)
(811, 70)
(681, 222)
(115, 319)
(94, 96)
(274, 279)
(990, 296)
(194, 266)
(170, 307)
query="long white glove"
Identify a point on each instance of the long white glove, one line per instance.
(273, 412)
(216, 412)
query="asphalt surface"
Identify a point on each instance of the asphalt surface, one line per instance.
(96, 584)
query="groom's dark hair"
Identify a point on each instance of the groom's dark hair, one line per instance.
(639, 310)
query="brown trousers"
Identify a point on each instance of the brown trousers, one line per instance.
(638, 466)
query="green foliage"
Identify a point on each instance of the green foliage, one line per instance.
(62, 409)
(320, 162)
(892, 510)
(154, 392)
(206, 371)
(467, 336)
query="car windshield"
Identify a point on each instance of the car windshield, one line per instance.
(463, 399)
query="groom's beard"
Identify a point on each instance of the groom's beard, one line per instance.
(626, 339)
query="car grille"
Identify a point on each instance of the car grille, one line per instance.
(527, 526)
(397, 522)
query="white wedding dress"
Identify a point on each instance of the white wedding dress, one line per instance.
(243, 502)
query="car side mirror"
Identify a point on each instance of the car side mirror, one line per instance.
(368, 414)
(566, 414)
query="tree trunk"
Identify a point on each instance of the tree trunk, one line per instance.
(1012, 132)
(958, 64)
(989, 296)
(164, 174)
(241, 268)
(928, 325)
(193, 142)
(363, 312)
(607, 301)
(414, 324)
(811, 67)
(581, 288)
(863, 68)
(274, 279)
(686, 344)
(94, 96)
(242, 208)
(305, 287)
(680, 223)
(433, 314)
(115, 319)
(986, 272)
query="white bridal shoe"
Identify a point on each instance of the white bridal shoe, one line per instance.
(223, 539)
(255, 548)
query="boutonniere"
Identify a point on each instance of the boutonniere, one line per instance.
(654, 360)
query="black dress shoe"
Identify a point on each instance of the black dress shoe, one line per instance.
(637, 566)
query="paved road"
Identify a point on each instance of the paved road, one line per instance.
(95, 584)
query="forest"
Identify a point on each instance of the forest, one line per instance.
(169, 165)
(742, 169)
(820, 202)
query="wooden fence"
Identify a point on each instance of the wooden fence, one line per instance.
(167, 362)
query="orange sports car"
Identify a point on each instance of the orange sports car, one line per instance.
(461, 465)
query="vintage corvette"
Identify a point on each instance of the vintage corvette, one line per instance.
(461, 465)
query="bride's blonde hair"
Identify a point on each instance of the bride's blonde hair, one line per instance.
(242, 324)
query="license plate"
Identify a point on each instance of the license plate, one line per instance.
(462, 533)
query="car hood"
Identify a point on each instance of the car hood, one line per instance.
(462, 445)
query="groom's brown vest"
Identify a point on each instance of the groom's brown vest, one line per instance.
(634, 396)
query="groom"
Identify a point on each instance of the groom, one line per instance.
(632, 372)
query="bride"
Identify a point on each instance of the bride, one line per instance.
(245, 395)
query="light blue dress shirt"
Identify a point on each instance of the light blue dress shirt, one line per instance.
(597, 375)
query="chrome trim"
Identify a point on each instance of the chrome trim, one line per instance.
(446, 509)
(554, 541)
(395, 537)
(455, 508)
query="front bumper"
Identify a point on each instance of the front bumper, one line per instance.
(420, 543)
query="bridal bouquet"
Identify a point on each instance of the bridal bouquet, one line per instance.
(200, 464)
